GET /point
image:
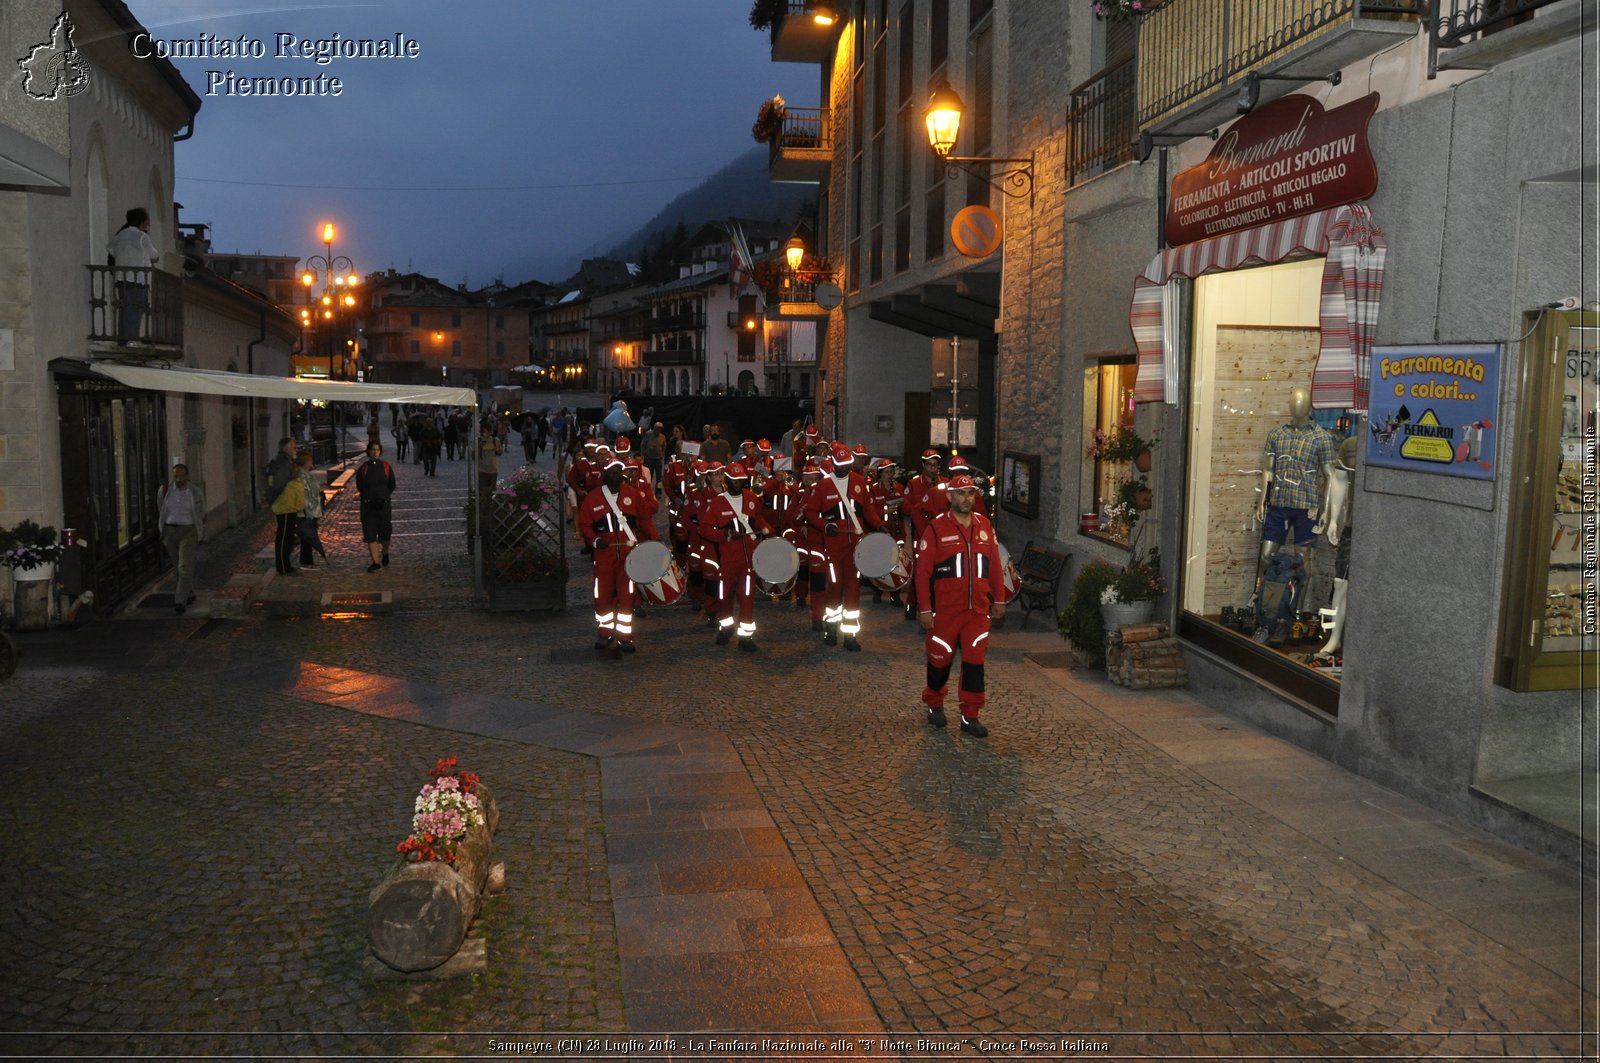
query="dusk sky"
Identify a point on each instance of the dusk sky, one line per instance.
(525, 135)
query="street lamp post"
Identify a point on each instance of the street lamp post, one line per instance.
(338, 281)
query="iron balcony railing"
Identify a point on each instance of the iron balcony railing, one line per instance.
(1101, 124)
(804, 129)
(690, 320)
(1459, 22)
(114, 295)
(1191, 48)
(677, 356)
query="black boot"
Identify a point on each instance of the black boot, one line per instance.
(830, 634)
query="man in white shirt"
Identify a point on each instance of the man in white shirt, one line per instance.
(182, 508)
(133, 253)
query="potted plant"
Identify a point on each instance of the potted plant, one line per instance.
(1081, 622)
(1123, 444)
(764, 14)
(29, 550)
(1136, 495)
(1131, 596)
(769, 120)
(1122, 10)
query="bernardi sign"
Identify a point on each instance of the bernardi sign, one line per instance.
(1286, 158)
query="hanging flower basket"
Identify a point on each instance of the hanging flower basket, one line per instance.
(1122, 10)
(769, 120)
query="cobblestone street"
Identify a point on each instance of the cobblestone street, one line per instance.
(698, 839)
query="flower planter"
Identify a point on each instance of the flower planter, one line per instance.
(1123, 614)
(42, 573)
(1143, 498)
(1142, 462)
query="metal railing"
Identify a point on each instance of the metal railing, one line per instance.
(1188, 48)
(675, 356)
(115, 295)
(1101, 126)
(1459, 22)
(692, 319)
(804, 128)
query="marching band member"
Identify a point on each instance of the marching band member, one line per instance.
(959, 581)
(812, 581)
(957, 465)
(763, 465)
(839, 507)
(924, 499)
(710, 556)
(578, 483)
(635, 474)
(886, 493)
(689, 524)
(610, 523)
(733, 520)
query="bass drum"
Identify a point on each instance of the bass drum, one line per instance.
(1010, 578)
(876, 555)
(899, 576)
(776, 563)
(655, 572)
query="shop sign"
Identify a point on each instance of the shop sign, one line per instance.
(1433, 408)
(1285, 159)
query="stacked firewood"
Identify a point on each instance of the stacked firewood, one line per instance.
(1144, 656)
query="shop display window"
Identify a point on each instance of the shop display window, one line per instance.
(1268, 521)
(1550, 637)
(1107, 513)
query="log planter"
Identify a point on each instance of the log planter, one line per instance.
(1144, 657)
(418, 916)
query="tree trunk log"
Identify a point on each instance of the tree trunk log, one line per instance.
(418, 916)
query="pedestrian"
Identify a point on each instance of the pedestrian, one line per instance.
(543, 429)
(133, 254)
(452, 438)
(611, 520)
(490, 447)
(959, 585)
(374, 487)
(374, 430)
(715, 448)
(733, 522)
(309, 526)
(281, 471)
(182, 508)
(428, 447)
(529, 440)
(287, 508)
(402, 440)
(415, 429)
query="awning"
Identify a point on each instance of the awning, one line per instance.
(248, 385)
(1352, 284)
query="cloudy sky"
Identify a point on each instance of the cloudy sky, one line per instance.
(525, 134)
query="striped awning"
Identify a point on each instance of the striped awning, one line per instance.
(1352, 285)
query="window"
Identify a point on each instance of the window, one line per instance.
(1548, 626)
(1110, 384)
(500, 350)
(416, 347)
(939, 34)
(455, 320)
(455, 349)
(416, 319)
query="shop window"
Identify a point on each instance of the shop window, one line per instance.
(1549, 622)
(1111, 385)
(1265, 560)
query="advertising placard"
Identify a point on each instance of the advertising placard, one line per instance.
(1433, 408)
(1287, 158)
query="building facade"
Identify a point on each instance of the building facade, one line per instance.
(1201, 238)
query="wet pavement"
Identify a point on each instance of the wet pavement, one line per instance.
(703, 840)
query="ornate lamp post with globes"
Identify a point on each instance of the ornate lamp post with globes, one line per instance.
(322, 313)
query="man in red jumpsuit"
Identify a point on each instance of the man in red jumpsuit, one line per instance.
(840, 508)
(959, 583)
(611, 520)
(731, 523)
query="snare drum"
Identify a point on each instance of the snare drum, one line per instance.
(655, 572)
(899, 576)
(876, 555)
(776, 563)
(1011, 579)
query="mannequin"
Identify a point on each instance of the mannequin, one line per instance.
(1296, 454)
(1336, 517)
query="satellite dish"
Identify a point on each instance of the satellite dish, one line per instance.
(829, 295)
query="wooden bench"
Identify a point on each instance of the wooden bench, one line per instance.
(1039, 573)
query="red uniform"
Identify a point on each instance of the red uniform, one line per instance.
(958, 577)
(611, 524)
(731, 524)
(846, 509)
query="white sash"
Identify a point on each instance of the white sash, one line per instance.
(844, 497)
(622, 522)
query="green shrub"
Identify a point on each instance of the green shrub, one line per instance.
(1080, 621)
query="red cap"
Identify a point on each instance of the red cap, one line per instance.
(764, 446)
(716, 466)
(961, 482)
(615, 462)
(811, 468)
(841, 456)
(737, 471)
(825, 466)
(635, 463)
(700, 466)
(622, 445)
(958, 463)
(930, 455)
(860, 450)
(813, 431)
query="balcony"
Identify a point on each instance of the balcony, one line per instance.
(803, 150)
(161, 325)
(685, 356)
(692, 319)
(1193, 53)
(795, 297)
(1472, 35)
(796, 36)
(1101, 127)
